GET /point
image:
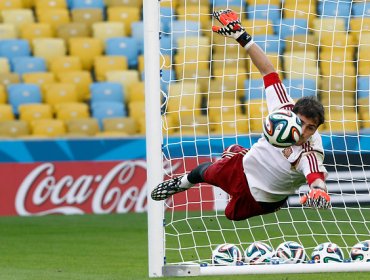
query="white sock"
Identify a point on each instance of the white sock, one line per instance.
(185, 183)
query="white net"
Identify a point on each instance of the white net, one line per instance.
(213, 97)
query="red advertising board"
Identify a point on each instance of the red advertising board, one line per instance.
(85, 187)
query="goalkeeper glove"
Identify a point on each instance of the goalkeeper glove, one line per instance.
(316, 198)
(232, 27)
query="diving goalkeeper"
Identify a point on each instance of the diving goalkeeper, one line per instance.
(260, 179)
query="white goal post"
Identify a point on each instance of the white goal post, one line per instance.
(204, 94)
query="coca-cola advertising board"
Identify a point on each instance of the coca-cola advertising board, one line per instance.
(82, 188)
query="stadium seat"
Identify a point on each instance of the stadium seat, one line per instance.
(338, 42)
(28, 64)
(31, 112)
(364, 60)
(106, 91)
(337, 9)
(292, 27)
(136, 110)
(70, 111)
(14, 129)
(125, 78)
(8, 31)
(167, 76)
(167, 44)
(269, 43)
(182, 28)
(9, 78)
(264, 12)
(50, 4)
(60, 93)
(137, 29)
(361, 9)
(87, 16)
(87, 4)
(359, 26)
(10, 4)
(135, 92)
(126, 15)
(324, 27)
(19, 94)
(62, 64)
(82, 81)
(339, 121)
(177, 107)
(104, 110)
(3, 95)
(123, 3)
(40, 78)
(123, 46)
(167, 15)
(73, 29)
(231, 125)
(6, 113)
(192, 126)
(301, 43)
(298, 88)
(49, 49)
(86, 49)
(18, 18)
(48, 128)
(54, 17)
(363, 86)
(88, 126)
(4, 65)
(300, 9)
(253, 71)
(256, 112)
(199, 13)
(36, 31)
(259, 27)
(14, 48)
(219, 107)
(124, 124)
(299, 64)
(105, 30)
(194, 47)
(254, 89)
(224, 88)
(104, 64)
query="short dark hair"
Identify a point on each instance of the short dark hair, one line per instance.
(311, 108)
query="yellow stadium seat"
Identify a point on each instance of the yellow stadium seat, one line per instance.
(27, 4)
(301, 43)
(126, 15)
(73, 29)
(8, 31)
(14, 129)
(338, 85)
(338, 42)
(258, 26)
(364, 59)
(49, 49)
(199, 13)
(224, 88)
(136, 109)
(359, 26)
(86, 49)
(183, 88)
(31, 112)
(304, 10)
(82, 81)
(50, 4)
(48, 128)
(36, 31)
(192, 125)
(256, 112)
(6, 112)
(337, 68)
(87, 126)
(40, 78)
(231, 124)
(105, 30)
(125, 77)
(54, 17)
(264, 2)
(4, 65)
(3, 95)
(60, 93)
(231, 75)
(341, 121)
(70, 111)
(104, 64)
(194, 47)
(325, 26)
(178, 107)
(345, 100)
(220, 60)
(136, 92)
(184, 64)
(87, 16)
(19, 17)
(199, 76)
(62, 64)
(219, 107)
(300, 64)
(124, 3)
(125, 124)
(9, 78)
(10, 4)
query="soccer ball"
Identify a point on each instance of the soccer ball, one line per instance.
(327, 253)
(258, 253)
(282, 128)
(291, 252)
(226, 254)
(361, 252)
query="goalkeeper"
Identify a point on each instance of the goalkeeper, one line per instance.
(259, 180)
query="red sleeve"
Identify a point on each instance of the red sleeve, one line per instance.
(270, 79)
(313, 176)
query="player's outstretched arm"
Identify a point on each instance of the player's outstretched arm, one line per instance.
(317, 197)
(232, 28)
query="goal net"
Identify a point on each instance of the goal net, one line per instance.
(212, 96)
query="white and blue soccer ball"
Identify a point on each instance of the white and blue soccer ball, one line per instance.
(291, 252)
(282, 128)
(327, 252)
(226, 254)
(361, 252)
(258, 253)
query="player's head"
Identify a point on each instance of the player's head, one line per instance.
(311, 113)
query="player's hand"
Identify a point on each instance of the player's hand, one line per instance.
(316, 198)
(231, 27)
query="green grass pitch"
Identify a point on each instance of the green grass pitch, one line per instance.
(94, 247)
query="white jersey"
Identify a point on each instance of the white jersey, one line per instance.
(275, 173)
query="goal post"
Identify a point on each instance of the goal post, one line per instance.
(203, 94)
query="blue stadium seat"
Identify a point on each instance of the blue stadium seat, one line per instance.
(28, 64)
(106, 91)
(254, 89)
(126, 46)
(14, 48)
(270, 43)
(361, 9)
(228, 3)
(19, 94)
(167, 47)
(104, 110)
(167, 76)
(298, 88)
(137, 29)
(264, 12)
(337, 9)
(363, 87)
(292, 26)
(87, 4)
(180, 28)
(166, 16)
